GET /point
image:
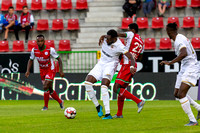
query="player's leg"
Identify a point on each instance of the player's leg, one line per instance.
(120, 105)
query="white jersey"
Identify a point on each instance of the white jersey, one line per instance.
(128, 38)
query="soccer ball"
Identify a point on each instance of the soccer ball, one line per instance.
(70, 112)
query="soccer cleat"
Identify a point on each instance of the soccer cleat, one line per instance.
(140, 106)
(62, 105)
(192, 124)
(115, 116)
(99, 110)
(44, 108)
(107, 117)
(198, 115)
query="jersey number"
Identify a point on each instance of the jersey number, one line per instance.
(138, 47)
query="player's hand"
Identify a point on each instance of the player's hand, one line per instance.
(27, 74)
(133, 70)
(62, 74)
(101, 40)
(165, 62)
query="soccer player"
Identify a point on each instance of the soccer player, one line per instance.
(45, 54)
(188, 73)
(105, 69)
(135, 46)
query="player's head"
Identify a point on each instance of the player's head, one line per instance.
(172, 30)
(133, 27)
(40, 40)
(111, 36)
(11, 10)
(25, 9)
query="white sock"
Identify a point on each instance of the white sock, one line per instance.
(105, 97)
(186, 107)
(91, 93)
(193, 103)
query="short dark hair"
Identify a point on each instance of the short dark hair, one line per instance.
(112, 33)
(172, 26)
(25, 7)
(40, 36)
(133, 26)
(11, 7)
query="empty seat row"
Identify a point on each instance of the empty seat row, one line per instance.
(157, 22)
(50, 5)
(183, 3)
(18, 46)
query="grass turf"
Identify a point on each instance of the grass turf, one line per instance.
(156, 117)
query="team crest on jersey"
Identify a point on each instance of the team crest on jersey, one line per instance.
(46, 53)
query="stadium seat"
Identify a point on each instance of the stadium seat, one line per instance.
(5, 5)
(199, 23)
(180, 3)
(122, 40)
(50, 43)
(81, 4)
(4, 47)
(157, 23)
(174, 19)
(188, 22)
(150, 44)
(36, 5)
(42, 25)
(73, 24)
(196, 42)
(165, 43)
(64, 45)
(18, 46)
(195, 3)
(51, 5)
(31, 45)
(66, 5)
(126, 22)
(20, 4)
(142, 23)
(57, 24)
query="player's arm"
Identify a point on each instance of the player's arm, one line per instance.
(182, 55)
(130, 57)
(60, 67)
(29, 65)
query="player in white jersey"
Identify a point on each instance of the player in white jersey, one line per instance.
(104, 70)
(188, 74)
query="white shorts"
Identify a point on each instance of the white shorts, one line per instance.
(101, 71)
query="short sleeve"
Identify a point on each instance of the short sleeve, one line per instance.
(129, 35)
(180, 44)
(142, 50)
(32, 57)
(53, 53)
(121, 48)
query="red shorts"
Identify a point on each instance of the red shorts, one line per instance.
(124, 75)
(47, 74)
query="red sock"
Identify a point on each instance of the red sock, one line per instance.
(55, 96)
(46, 98)
(128, 95)
(120, 103)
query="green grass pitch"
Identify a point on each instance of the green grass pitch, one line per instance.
(156, 117)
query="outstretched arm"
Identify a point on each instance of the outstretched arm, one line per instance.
(29, 65)
(132, 67)
(60, 67)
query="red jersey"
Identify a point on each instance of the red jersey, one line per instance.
(10, 18)
(44, 57)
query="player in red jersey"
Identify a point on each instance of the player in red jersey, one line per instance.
(135, 46)
(45, 54)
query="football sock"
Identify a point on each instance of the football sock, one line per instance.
(106, 115)
(46, 98)
(193, 103)
(186, 107)
(91, 93)
(98, 108)
(55, 96)
(105, 97)
(120, 103)
(128, 95)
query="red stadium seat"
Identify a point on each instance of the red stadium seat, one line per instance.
(64, 45)
(18, 46)
(51, 5)
(66, 5)
(6, 4)
(195, 3)
(31, 45)
(50, 43)
(188, 22)
(20, 4)
(196, 42)
(57, 24)
(173, 19)
(81, 4)
(199, 23)
(42, 25)
(122, 40)
(73, 24)
(142, 23)
(157, 23)
(165, 43)
(36, 5)
(126, 22)
(4, 47)
(181, 3)
(150, 43)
